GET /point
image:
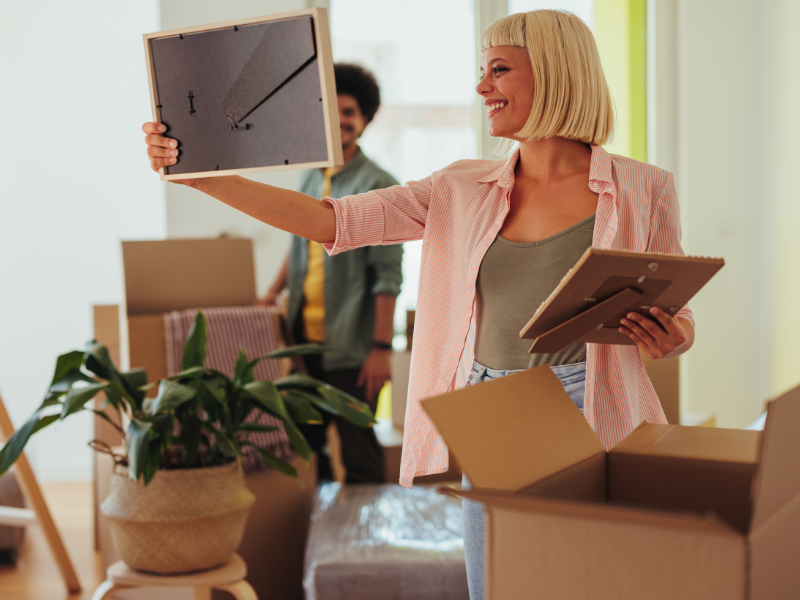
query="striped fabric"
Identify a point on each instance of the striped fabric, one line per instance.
(255, 330)
(457, 212)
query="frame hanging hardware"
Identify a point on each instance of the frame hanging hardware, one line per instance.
(190, 97)
(246, 127)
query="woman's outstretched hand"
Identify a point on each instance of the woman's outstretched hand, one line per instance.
(285, 209)
(661, 336)
(162, 151)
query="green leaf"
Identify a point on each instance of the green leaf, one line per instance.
(190, 436)
(226, 446)
(208, 400)
(138, 448)
(298, 350)
(217, 387)
(291, 351)
(194, 352)
(44, 422)
(276, 463)
(98, 361)
(257, 427)
(270, 399)
(117, 397)
(298, 380)
(223, 442)
(66, 363)
(68, 371)
(63, 384)
(16, 443)
(153, 459)
(190, 373)
(344, 405)
(301, 408)
(242, 370)
(133, 381)
(170, 396)
(77, 397)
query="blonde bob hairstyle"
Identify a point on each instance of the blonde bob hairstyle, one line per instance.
(570, 93)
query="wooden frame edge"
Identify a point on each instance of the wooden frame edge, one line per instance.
(225, 24)
(330, 111)
(249, 170)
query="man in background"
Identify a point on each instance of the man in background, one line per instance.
(346, 302)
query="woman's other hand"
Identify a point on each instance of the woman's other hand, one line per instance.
(661, 336)
(162, 151)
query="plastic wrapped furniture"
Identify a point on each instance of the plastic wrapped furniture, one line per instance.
(384, 541)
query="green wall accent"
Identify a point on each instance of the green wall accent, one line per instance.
(620, 28)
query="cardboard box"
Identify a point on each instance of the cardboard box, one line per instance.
(669, 512)
(390, 439)
(401, 366)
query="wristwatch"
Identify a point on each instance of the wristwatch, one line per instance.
(381, 345)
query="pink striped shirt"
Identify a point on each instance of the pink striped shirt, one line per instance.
(458, 212)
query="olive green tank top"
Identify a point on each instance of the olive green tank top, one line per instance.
(514, 279)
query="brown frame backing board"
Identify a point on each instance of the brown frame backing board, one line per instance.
(246, 96)
(604, 285)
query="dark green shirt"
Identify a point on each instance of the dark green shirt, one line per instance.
(352, 279)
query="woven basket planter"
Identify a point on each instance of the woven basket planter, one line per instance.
(183, 520)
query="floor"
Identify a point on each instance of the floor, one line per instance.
(36, 576)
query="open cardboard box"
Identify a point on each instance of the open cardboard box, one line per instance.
(669, 512)
(162, 276)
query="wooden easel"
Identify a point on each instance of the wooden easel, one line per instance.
(39, 513)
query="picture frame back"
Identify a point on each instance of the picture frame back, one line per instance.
(604, 285)
(246, 96)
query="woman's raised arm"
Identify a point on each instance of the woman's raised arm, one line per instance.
(291, 211)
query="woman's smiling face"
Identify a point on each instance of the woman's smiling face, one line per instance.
(506, 86)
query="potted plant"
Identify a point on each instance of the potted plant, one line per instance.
(178, 501)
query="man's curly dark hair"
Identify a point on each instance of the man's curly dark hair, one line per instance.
(356, 81)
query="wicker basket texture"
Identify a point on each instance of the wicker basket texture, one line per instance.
(184, 520)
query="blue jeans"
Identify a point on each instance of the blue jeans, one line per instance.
(573, 378)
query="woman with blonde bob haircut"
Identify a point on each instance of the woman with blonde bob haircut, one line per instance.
(570, 94)
(500, 235)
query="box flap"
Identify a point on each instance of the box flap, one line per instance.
(778, 475)
(694, 469)
(735, 446)
(166, 275)
(774, 548)
(514, 431)
(591, 510)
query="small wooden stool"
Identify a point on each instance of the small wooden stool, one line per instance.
(229, 578)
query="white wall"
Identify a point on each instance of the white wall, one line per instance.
(75, 181)
(725, 121)
(781, 109)
(193, 214)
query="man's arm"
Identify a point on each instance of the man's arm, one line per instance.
(377, 369)
(271, 297)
